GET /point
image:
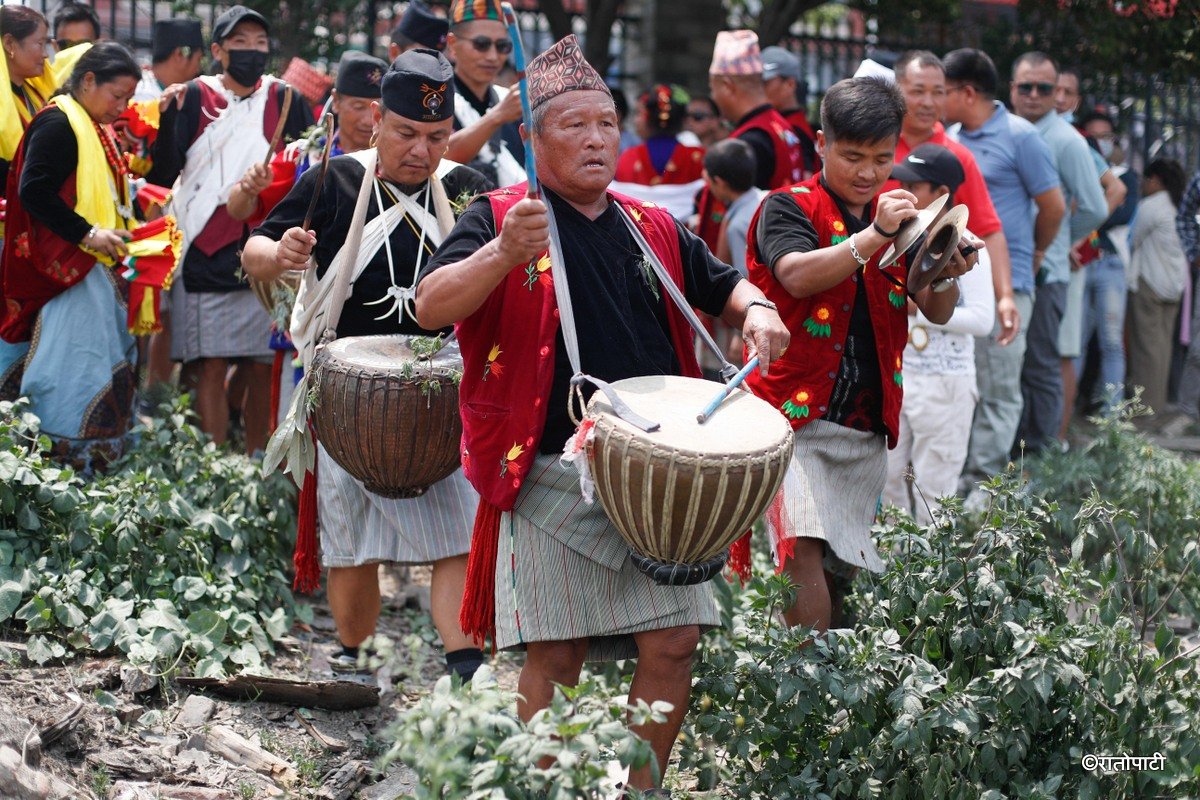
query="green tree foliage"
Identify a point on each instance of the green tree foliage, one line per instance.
(1102, 36)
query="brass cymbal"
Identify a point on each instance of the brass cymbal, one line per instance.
(910, 232)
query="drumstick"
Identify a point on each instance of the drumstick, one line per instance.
(514, 32)
(734, 382)
(279, 126)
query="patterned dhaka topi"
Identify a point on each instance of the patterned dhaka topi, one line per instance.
(736, 53)
(562, 69)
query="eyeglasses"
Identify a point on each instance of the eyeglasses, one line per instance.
(1044, 89)
(699, 116)
(482, 44)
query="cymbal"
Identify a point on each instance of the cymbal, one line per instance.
(911, 230)
(937, 249)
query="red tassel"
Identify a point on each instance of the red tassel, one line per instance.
(779, 526)
(276, 380)
(739, 558)
(478, 614)
(305, 560)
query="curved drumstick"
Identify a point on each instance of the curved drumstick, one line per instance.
(728, 388)
(514, 32)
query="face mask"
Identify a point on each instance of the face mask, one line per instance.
(246, 66)
(1106, 147)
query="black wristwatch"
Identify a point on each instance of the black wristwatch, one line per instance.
(765, 303)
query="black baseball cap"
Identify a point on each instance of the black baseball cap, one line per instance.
(230, 19)
(930, 163)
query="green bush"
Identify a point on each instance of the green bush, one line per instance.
(979, 667)
(175, 557)
(466, 742)
(1158, 492)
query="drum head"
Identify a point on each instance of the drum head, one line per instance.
(388, 353)
(743, 425)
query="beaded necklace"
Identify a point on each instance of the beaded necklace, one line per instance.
(119, 171)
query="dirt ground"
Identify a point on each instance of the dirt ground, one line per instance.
(99, 729)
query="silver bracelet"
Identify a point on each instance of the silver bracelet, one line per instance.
(862, 262)
(92, 233)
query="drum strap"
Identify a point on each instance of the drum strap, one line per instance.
(566, 318)
(727, 370)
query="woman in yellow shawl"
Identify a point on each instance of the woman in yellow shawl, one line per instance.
(69, 215)
(32, 79)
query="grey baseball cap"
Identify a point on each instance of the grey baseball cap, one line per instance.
(780, 63)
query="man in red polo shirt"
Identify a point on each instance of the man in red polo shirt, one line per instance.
(922, 81)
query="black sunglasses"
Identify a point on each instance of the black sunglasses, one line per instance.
(699, 116)
(1044, 89)
(63, 44)
(483, 44)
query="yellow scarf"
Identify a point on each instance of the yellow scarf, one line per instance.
(94, 180)
(14, 116)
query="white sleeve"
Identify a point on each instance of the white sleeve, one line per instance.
(976, 312)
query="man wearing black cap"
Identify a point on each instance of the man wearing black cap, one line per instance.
(407, 215)
(212, 129)
(355, 95)
(419, 27)
(178, 49)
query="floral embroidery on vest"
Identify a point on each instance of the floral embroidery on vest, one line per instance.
(818, 324)
(896, 376)
(506, 460)
(839, 229)
(896, 298)
(492, 367)
(797, 405)
(538, 271)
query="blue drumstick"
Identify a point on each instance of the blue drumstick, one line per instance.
(736, 381)
(514, 32)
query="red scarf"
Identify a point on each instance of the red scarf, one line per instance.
(508, 349)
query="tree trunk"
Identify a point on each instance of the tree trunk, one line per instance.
(601, 14)
(777, 18)
(557, 16)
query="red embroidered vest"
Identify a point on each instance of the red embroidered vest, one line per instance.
(801, 382)
(508, 349)
(788, 169)
(685, 165)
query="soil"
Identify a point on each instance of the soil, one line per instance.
(125, 738)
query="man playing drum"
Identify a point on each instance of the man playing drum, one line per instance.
(360, 529)
(814, 249)
(550, 574)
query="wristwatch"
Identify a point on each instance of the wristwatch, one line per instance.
(762, 301)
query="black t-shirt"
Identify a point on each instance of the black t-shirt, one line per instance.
(620, 313)
(857, 399)
(509, 132)
(331, 221)
(51, 157)
(764, 149)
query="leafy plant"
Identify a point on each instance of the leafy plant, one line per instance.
(1121, 494)
(173, 558)
(966, 676)
(464, 742)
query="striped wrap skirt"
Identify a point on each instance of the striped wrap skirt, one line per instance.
(218, 325)
(563, 572)
(831, 492)
(360, 527)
